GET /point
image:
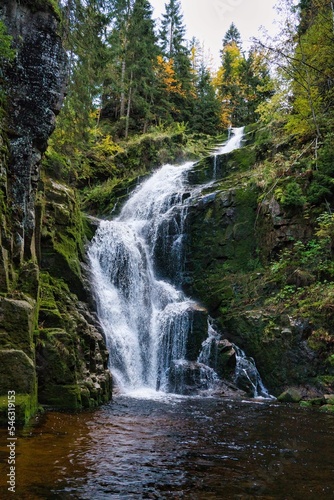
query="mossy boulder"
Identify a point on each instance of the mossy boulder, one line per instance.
(17, 321)
(25, 408)
(17, 372)
(327, 408)
(66, 397)
(329, 399)
(70, 350)
(291, 395)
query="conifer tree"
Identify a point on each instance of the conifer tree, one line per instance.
(84, 33)
(242, 82)
(206, 115)
(229, 80)
(174, 48)
(232, 36)
(141, 57)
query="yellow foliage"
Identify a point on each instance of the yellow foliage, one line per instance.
(166, 74)
(107, 147)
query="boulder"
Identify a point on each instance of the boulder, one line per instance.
(291, 395)
(17, 372)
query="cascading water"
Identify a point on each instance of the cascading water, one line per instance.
(228, 146)
(137, 265)
(146, 319)
(247, 377)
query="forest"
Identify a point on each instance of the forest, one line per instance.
(131, 81)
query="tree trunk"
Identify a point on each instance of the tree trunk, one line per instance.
(128, 109)
(122, 110)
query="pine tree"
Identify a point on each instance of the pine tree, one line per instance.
(141, 57)
(206, 115)
(230, 79)
(84, 28)
(232, 36)
(130, 87)
(174, 48)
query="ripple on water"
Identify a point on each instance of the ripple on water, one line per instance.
(177, 448)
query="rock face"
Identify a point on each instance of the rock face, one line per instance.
(51, 347)
(233, 240)
(36, 87)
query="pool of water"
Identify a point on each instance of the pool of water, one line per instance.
(191, 448)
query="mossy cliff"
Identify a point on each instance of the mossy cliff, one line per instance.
(51, 347)
(262, 263)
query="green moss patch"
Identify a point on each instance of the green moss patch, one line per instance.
(25, 409)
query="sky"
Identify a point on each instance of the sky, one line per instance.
(208, 20)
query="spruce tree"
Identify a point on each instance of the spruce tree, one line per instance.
(174, 48)
(232, 35)
(206, 115)
(141, 56)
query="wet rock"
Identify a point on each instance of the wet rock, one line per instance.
(36, 87)
(291, 395)
(225, 358)
(16, 325)
(188, 377)
(198, 333)
(329, 399)
(327, 408)
(17, 372)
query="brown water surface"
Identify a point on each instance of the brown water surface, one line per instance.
(189, 448)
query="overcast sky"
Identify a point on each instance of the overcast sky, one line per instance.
(208, 20)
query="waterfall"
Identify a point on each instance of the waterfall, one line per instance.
(247, 377)
(136, 263)
(233, 142)
(137, 267)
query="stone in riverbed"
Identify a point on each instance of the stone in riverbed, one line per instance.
(329, 399)
(291, 395)
(327, 408)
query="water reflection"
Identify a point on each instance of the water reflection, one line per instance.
(184, 448)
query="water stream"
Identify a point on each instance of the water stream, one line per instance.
(137, 263)
(176, 448)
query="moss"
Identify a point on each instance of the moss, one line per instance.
(43, 5)
(329, 399)
(290, 396)
(70, 352)
(67, 397)
(17, 323)
(62, 235)
(244, 158)
(28, 279)
(305, 404)
(49, 314)
(327, 408)
(25, 408)
(17, 372)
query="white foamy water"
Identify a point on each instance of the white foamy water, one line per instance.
(137, 264)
